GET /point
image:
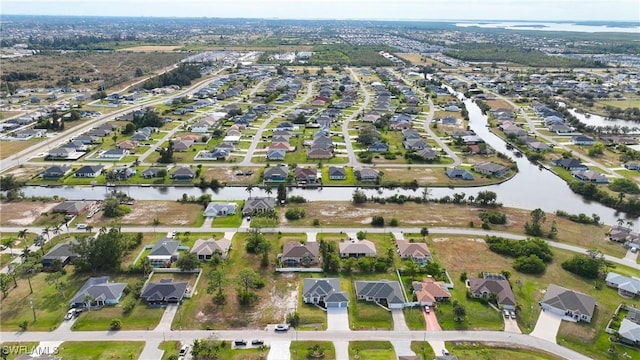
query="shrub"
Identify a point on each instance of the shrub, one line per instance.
(294, 214)
(295, 199)
(116, 324)
(128, 306)
(393, 222)
(493, 217)
(377, 221)
(316, 222)
(531, 264)
(583, 265)
(517, 248)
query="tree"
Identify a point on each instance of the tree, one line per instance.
(534, 228)
(486, 198)
(166, 154)
(268, 190)
(187, 262)
(425, 194)
(28, 268)
(282, 193)
(102, 253)
(531, 264)
(129, 129)
(115, 324)
(293, 319)
(216, 284)
(424, 232)
(22, 234)
(459, 312)
(584, 265)
(5, 283)
(249, 189)
(7, 243)
(359, 197)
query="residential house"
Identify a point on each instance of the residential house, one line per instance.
(152, 172)
(182, 145)
(410, 134)
(55, 172)
(63, 153)
(183, 174)
(337, 173)
(215, 155)
(570, 164)
(572, 305)
(276, 174)
(429, 291)
(583, 140)
(126, 145)
(512, 130)
(357, 248)
(629, 331)
(71, 207)
(367, 174)
(113, 154)
(489, 168)
(163, 253)
(163, 292)
(415, 144)
(493, 285)
(378, 147)
(76, 145)
(100, 291)
(459, 173)
(207, 249)
(561, 129)
(632, 166)
(89, 171)
(121, 173)
(384, 292)
(427, 154)
(258, 205)
(59, 255)
(296, 254)
(628, 287)
(315, 154)
(416, 251)
(306, 176)
(276, 155)
(215, 209)
(538, 146)
(324, 292)
(589, 176)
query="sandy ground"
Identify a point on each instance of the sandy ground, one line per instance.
(279, 304)
(23, 213)
(25, 173)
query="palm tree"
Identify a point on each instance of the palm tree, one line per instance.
(249, 189)
(8, 243)
(45, 231)
(630, 223)
(268, 190)
(89, 228)
(57, 229)
(620, 221)
(22, 234)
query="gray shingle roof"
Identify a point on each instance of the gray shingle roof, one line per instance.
(382, 289)
(565, 299)
(99, 288)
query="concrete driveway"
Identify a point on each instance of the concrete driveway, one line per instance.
(547, 326)
(167, 318)
(399, 323)
(511, 325)
(401, 347)
(279, 350)
(342, 349)
(337, 319)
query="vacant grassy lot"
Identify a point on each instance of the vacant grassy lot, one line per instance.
(481, 351)
(300, 349)
(8, 148)
(232, 176)
(371, 350)
(100, 350)
(622, 104)
(167, 212)
(25, 173)
(171, 348)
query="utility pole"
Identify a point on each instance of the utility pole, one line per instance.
(33, 308)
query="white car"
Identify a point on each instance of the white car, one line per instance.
(282, 327)
(70, 314)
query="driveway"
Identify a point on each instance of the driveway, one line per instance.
(437, 346)
(311, 236)
(402, 348)
(151, 350)
(547, 326)
(342, 349)
(431, 320)
(511, 325)
(337, 319)
(279, 350)
(167, 318)
(399, 323)
(631, 256)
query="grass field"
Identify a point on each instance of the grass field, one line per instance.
(167, 212)
(301, 349)
(423, 349)
(100, 350)
(622, 104)
(171, 348)
(482, 351)
(16, 349)
(9, 148)
(371, 350)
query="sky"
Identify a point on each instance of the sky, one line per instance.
(610, 10)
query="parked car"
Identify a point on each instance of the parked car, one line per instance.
(70, 314)
(282, 327)
(81, 226)
(513, 314)
(257, 342)
(184, 350)
(506, 313)
(240, 342)
(445, 352)
(427, 309)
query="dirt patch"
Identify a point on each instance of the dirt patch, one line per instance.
(151, 48)
(23, 213)
(281, 302)
(167, 212)
(479, 240)
(26, 173)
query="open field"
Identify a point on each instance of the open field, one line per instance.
(481, 351)
(9, 148)
(113, 67)
(371, 350)
(300, 349)
(622, 104)
(167, 212)
(151, 48)
(23, 213)
(417, 59)
(26, 172)
(100, 350)
(498, 103)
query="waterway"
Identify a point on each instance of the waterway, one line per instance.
(530, 188)
(554, 26)
(599, 121)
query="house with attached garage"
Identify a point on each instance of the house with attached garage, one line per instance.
(296, 254)
(383, 292)
(207, 249)
(89, 171)
(163, 253)
(55, 172)
(415, 251)
(570, 164)
(183, 174)
(367, 174)
(357, 248)
(325, 292)
(337, 173)
(276, 155)
(379, 147)
(632, 166)
(589, 176)
(629, 331)
(583, 140)
(220, 209)
(458, 173)
(60, 254)
(100, 291)
(571, 305)
(495, 284)
(152, 172)
(489, 168)
(258, 205)
(276, 174)
(429, 291)
(163, 292)
(305, 176)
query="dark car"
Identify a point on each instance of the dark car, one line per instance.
(257, 342)
(240, 342)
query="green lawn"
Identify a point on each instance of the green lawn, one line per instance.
(479, 316)
(100, 350)
(364, 315)
(300, 349)
(423, 350)
(372, 350)
(171, 348)
(142, 317)
(311, 317)
(414, 318)
(481, 351)
(349, 180)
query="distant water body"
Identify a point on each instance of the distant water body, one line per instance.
(626, 27)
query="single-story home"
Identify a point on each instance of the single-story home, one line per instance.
(493, 284)
(276, 174)
(258, 205)
(458, 173)
(590, 176)
(489, 168)
(416, 251)
(89, 171)
(629, 330)
(152, 172)
(71, 207)
(384, 292)
(183, 174)
(569, 164)
(357, 248)
(429, 291)
(100, 292)
(628, 287)
(206, 249)
(337, 173)
(295, 254)
(163, 292)
(220, 209)
(324, 292)
(55, 172)
(164, 252)
(60, 253)
(572, 305)
(367, 174)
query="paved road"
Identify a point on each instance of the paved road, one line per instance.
(353, 159)
(258, 136)
(270, 337)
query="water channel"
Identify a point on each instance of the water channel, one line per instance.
(531, 188)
